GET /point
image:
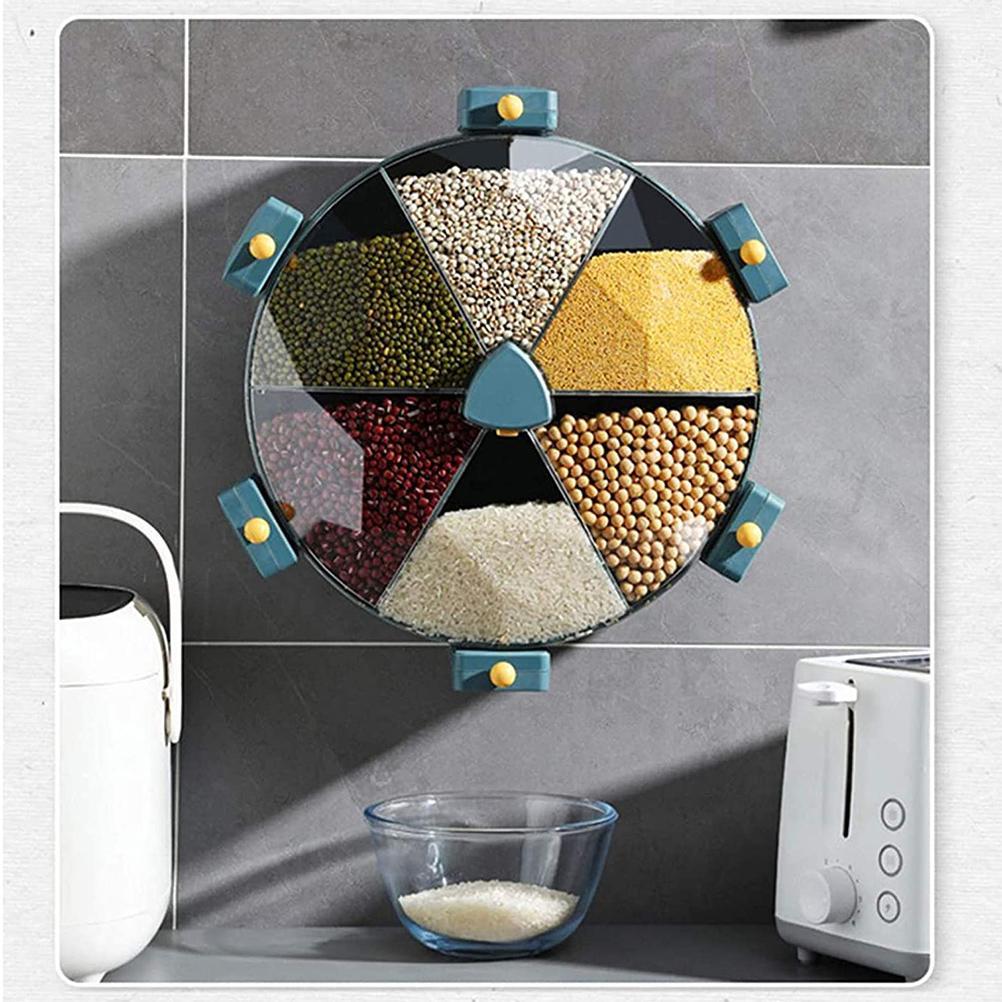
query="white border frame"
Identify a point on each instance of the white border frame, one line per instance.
(22, 366)
(184, 158)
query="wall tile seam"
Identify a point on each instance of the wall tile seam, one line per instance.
(626, 646)
(175, 889)
(281, 159)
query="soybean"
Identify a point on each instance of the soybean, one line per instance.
(647, 522)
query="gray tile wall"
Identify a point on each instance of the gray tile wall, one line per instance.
(120, 362)
(773, 91)
(284, 744)
(121, 87)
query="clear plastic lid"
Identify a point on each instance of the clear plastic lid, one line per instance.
(400, 286)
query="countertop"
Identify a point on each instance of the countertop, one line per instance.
(621, 953)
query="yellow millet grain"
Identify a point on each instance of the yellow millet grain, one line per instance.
(651, 320)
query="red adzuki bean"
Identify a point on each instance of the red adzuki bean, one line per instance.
(363, 478)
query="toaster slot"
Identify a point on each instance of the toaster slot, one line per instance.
(837, 728)
(850, 754)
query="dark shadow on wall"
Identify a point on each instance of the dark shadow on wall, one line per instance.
(310, 870)
(241, 706)
(721, 822)
(819, 26)
(119, 373)
(696, 846)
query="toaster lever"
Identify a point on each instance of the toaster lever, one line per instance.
(828, 693)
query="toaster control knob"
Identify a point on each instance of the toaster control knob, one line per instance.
(827, 895)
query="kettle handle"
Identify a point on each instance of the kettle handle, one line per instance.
(172, 692)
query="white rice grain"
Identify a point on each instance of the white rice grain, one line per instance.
(505, 574)
(489, 911)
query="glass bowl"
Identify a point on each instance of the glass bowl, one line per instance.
(490, 875)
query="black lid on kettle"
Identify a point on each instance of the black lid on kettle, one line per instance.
(77, 601)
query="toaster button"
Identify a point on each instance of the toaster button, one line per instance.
(888, 906)
(892, 814)
(890, 860)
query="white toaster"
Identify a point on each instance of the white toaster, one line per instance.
(853, 871)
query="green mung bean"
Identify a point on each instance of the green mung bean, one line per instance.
(370, 313)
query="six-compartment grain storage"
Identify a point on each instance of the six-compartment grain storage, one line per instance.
(502, 390)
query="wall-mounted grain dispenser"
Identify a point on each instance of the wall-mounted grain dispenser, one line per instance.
(503, 389)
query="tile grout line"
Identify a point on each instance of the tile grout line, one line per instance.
(262, 158)
(176, 798)
(184, 311)
(69, 155)
(577, 646)
(187, 87)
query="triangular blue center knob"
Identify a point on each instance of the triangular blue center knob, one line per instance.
(508, 391)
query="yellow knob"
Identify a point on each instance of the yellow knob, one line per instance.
(262, 246)
(749, 535)
(257, 530)
(510, 107)
(753, 252)
(503, 674)
(506, 432)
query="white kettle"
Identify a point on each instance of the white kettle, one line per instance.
(119, 712)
